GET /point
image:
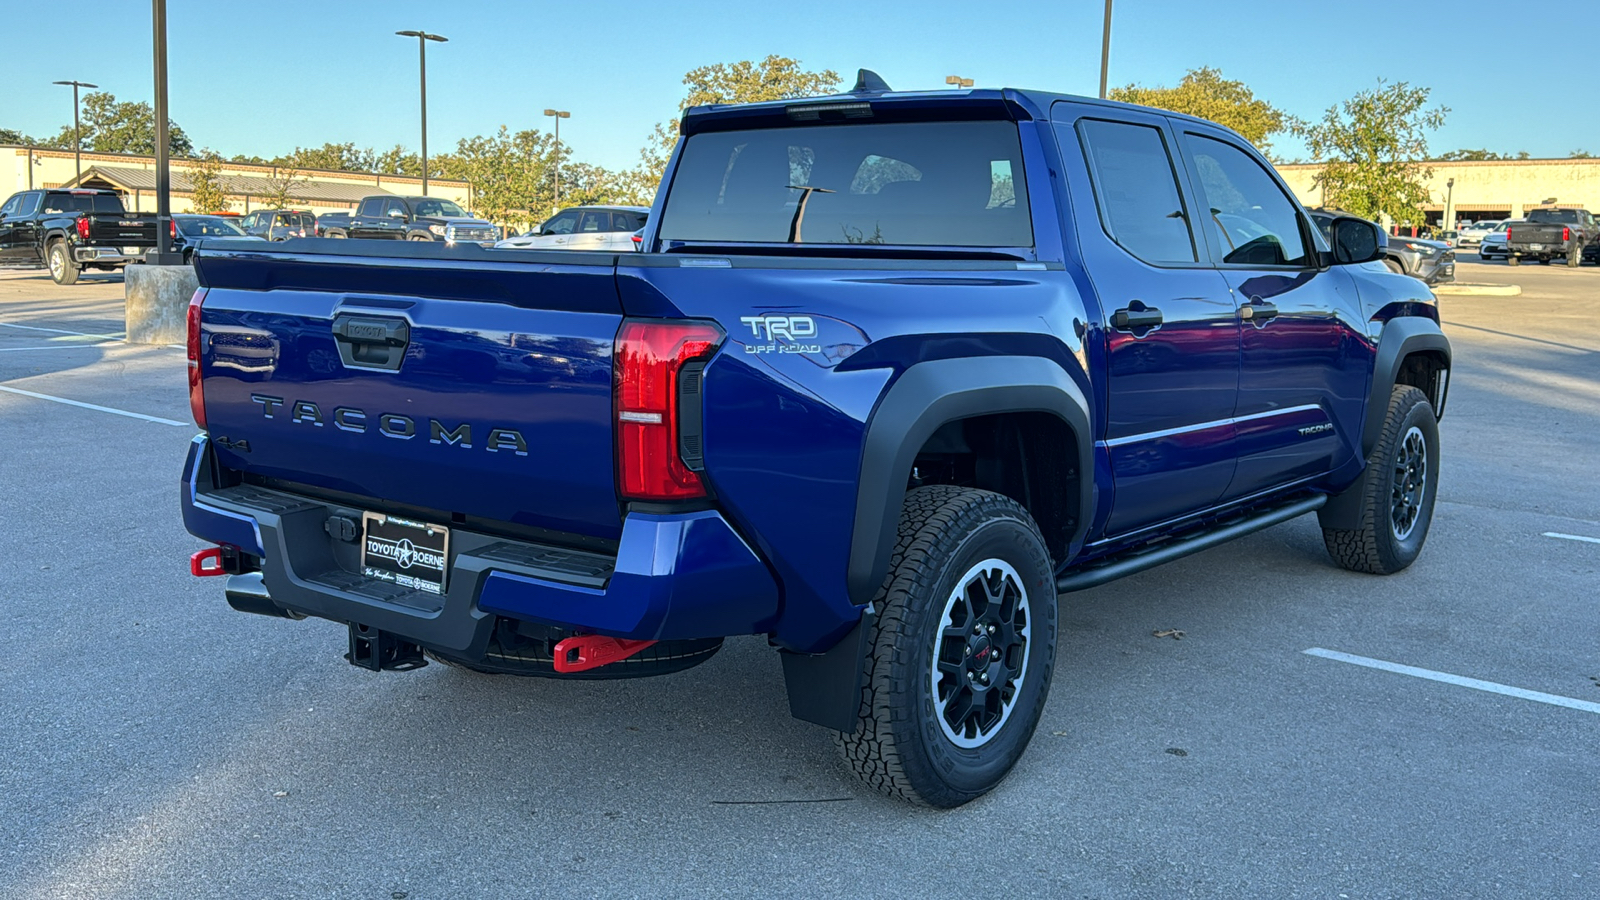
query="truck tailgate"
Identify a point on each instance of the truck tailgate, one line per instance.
(122, 230)
(453, 380)
(1545, 233)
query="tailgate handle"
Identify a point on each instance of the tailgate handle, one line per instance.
(372, 342)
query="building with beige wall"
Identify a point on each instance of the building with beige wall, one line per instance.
(24, 168)
(1490, 189)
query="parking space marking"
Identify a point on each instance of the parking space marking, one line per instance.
(60, 347)
(105, 409)
(1447, 678)
(1572, 537)
(112, 337)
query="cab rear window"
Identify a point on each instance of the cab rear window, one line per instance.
(953, 184)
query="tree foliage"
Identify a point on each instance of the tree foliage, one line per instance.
(1204, 93)
(207, 193)
(1580, 154)
(1479, 155)
(13, 136)
(512, 175)
(108, 126)
(746, 81)
(281, 186)
(1371, 146)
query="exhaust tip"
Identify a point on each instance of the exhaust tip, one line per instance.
(247, 593)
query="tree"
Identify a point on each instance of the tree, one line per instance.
(111, 127)
(773, 78)
(1206, 94)
(399, 161)
(1580, 154)
(1370, 147)
(1480, 155)
(346, 157)
(206, 192)
(509, 174)
(12, 136)
(281, 187)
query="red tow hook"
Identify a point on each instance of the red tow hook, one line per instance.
(204, 563)
(591, 651)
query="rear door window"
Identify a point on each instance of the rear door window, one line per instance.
(905, 183)
(1136, 188)
(594, 221)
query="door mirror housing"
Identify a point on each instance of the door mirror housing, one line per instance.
(397, 214)
(537, 229)
(1355, 240)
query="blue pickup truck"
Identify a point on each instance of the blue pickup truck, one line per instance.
(893, 372)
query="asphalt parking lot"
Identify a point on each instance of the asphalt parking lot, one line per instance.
(157, 744)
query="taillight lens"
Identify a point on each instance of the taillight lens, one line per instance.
(650, 355)
(1566, 235)
(197, 400)
(83, 227)
(172, 227)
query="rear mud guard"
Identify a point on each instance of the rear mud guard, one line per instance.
(825, 688)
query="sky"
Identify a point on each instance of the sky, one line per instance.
(260, 78)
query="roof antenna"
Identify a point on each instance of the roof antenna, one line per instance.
(869, 82)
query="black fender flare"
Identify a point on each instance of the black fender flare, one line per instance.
(1401, 337)
(926, 396)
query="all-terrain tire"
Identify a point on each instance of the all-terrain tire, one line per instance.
(964, 563)
(1575, 256)
(1397, 493)
(63, 270)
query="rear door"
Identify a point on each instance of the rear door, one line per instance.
(1170, 331)
(593, 232)
(1305, 358)
(417, 380)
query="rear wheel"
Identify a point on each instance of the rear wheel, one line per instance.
(1575, 256)
(1398, 491)
(1513, 260)
(962, 649)
(62, 269)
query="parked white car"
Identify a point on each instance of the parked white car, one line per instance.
(1494, 243)
(604, 228)
(1475, 233)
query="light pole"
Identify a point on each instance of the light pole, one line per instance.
(422, 58)
(1449, 204)
(77, 135)
(957, 81)
(1105, 51)
(558, 115)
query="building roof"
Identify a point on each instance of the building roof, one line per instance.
(128, 178)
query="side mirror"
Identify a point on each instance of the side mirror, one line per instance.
(1355, 240)
(397, 214)
(537, 229)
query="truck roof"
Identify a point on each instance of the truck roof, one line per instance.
(1021, 103)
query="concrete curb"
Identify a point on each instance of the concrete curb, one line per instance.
(1478, 290)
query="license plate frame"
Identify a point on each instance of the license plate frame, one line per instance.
(405, 552)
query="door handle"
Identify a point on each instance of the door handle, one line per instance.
(1129, 319)
(1258, 312)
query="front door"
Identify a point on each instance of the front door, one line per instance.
(1170, 334)
(1304, 360)
(8, 225)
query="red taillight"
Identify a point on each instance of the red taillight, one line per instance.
(1508, 235)
(1566, 234)
(172, 227)
(197, 399)
(650, 356)
(83, 227)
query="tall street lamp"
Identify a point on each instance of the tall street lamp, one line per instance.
(422, 56)
(77, 135)
(957, 81)
(1449, 205)
(1105, 51)
(558, 115)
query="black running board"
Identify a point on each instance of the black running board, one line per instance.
(1099, 573)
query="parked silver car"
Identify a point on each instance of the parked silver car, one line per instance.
(1494, 243)
(1473, 234)
(605, 228)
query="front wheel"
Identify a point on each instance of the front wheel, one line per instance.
(961, 649)
(1394, 267)
(1397, 491)
(419, 237)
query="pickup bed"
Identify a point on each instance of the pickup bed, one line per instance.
(72, 230)
(1569, 234)
(891, 372)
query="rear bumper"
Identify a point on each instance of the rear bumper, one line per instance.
(106, 256)
(673, 577)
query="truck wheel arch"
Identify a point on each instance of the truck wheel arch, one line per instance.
(929, 395)
(1406, 346)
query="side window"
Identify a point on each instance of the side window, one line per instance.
(562, 224)
(370, 206)
(394, 206)
(595, 222)
(30, 203)
(1249, 217)
(11, 206)
(1136, 188)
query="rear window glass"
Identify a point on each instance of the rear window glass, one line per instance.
(89, 203)
(914, 183)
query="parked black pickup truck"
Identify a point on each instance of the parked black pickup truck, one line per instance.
(395, 218)
(1549, 233)
(73, 230)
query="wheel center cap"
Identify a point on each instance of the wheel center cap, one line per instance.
(981, 652)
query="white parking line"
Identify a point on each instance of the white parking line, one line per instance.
(113, 337)
(81, 405)
(1572, 537)
(1447, 678)
(60, 347)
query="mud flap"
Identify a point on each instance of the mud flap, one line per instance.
(825, 688)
